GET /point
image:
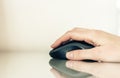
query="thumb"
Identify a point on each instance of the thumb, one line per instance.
(91, 54)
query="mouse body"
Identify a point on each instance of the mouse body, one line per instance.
(60, 51)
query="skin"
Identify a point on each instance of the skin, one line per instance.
(107, 45)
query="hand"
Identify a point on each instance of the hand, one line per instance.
(107, 46)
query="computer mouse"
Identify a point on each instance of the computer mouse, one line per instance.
(60, 51)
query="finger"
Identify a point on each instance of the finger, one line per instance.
(91, 54)
(65, 37)
(75, 34)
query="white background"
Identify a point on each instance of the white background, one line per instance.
(35, 24)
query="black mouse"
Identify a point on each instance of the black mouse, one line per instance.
(60, 51)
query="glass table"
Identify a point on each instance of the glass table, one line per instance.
(41, 65)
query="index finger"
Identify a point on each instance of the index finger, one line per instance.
(75, 34)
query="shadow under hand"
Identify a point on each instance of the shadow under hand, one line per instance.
(60, 70)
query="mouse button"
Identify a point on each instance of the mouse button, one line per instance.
(84, 45)
(71, 47)
(58, 53)
(76, 45)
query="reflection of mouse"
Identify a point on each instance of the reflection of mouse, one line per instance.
(60, 51)
(60, 67)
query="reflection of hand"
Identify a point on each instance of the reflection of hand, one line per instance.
(60, 70)
(107, 46)
(56, 74)
(99, 70)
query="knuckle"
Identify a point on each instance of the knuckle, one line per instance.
(94, 32)
(69, 32)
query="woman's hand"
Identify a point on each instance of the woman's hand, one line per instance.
(107, 46)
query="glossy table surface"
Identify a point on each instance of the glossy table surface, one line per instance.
(40, 65)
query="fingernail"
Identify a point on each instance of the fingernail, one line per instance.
(69, 55)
